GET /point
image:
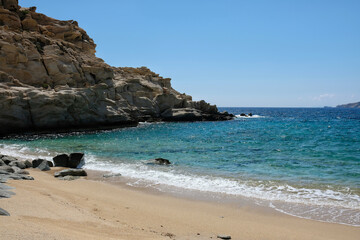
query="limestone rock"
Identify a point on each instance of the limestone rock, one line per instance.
(50, 79)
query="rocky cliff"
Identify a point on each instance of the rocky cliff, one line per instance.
(50, 79)
(350, 105)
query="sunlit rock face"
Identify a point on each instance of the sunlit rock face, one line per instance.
(51, 79)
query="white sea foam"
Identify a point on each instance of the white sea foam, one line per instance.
(323, 205)
(254, 189)
(340, 206)
(248, 117)
(22, 152)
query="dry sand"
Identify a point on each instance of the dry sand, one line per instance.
(48, 208)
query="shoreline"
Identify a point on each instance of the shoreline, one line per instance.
(195, 194)
(90, 209)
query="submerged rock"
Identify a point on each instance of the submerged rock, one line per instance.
(159, 161)
(109, 175)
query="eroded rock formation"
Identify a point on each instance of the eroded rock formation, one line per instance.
(51, 79)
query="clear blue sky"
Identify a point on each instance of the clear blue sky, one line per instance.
(231, 52)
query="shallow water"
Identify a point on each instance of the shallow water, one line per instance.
(304, 162)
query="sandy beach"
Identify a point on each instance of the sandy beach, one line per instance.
(48, 208)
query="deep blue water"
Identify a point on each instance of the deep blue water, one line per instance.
(290, 157)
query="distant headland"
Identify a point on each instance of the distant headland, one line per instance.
(349, 105)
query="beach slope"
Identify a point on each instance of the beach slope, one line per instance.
(48, 208)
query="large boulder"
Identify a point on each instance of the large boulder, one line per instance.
(70, 172)
(7, 159)
(36, 162)
(61, 160)
(28, 164)
(7, 169)
(76, 160)
(19, 164)
(44, 166)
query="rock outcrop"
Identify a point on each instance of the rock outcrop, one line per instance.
(51, 79)
(350, 105)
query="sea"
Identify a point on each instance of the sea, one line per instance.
(303, 162)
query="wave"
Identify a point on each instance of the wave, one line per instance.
(329, 204)
(249, 117)
(23, 152)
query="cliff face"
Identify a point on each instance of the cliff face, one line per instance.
(350, 105)
(50, 78)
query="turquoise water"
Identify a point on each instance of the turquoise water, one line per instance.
(304, 162)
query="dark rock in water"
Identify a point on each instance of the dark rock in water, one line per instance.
(162, 161)
(68, 178)
(3, 212)
(108, 175)
(8, 159)
(250, 114)
(61, 160)
(223, 237)
(28, 164)
(7, 169)
(76, 160)
(18, 164)
(243, 115)
(70, 172)
(2, 163)
(44, 166)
